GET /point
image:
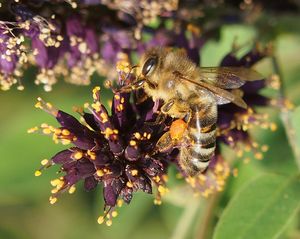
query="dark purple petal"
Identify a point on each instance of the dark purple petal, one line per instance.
(132, 153)
(62, 157)
(102, 159)
(256, 100)
(126, 194)
(111, 191)
(90, 183)
(90, 120)
(230, 60)
(252, 87)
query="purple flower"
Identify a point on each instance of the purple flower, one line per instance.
(11, 57)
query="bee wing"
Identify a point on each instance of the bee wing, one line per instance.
(223, 96)
(228, 77)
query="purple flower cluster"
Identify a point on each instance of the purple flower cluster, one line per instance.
(75, 39)
(117, 150)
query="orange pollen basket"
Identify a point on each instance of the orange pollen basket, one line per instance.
(177, 129)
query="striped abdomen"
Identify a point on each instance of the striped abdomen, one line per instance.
(201, 136)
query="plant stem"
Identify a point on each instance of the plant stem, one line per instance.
(286, 115)
(207, 217)
(187, 218)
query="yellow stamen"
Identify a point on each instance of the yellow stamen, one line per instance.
(134, 172)
(100, 219)
(44, 162)
(129, 184)
(72, 189)
(52, 200)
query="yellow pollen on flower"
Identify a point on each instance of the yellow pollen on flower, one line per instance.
(44, 162)
(96, 91)
(100, 219)
(96, 106)
(119, 202)
(86, 105)
(273, 127)
(137, 135)
(104, 117)
(52, 200)
(78, 155)
(99, 172)
(46, 131)
(32, 130)
(202, 178)
(117, 97)
(57, 131)
(57, 182)
(134, 172)
(72, 189)
(165, 177)
(132, 143)
(108, 132)
(114, 214)
(191, 181)
(120, 107)
(37, 173)
(54, 190)
(156, 179)
(91, 154)
(163, 190)
(65, 132)
(258, 156)
(65, 141)
(108, 223)
(38, 105)
(264, 148)
(157, 201)
(129, 184)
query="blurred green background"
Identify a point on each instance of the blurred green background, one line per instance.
(24, 208)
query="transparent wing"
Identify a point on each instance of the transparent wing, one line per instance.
(228, 77)
(222, 96)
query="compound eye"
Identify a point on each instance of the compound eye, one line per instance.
(149, 66)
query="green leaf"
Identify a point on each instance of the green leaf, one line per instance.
(296, 125)
(261, 209)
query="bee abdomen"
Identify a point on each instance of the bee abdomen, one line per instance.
(202, 137)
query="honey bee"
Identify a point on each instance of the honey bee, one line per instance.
(191, 94)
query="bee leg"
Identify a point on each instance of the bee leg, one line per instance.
(165, 143)
(134, 86)
(162, 113)
(159, 119)
(167, 106)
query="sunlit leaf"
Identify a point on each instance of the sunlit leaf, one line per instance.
(261, 209)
